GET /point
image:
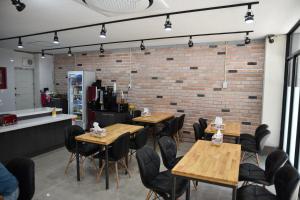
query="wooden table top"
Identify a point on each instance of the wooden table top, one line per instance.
(154, 118)
(214, 164)
(112, 133)
(230, 129)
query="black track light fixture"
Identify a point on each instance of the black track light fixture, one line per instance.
(20, 44)
(168, 24)
(101, 49)
(19, 5)
(103, 31)
(247, 39)
(249, 17)
(70, 52)
(55, 38)
(142, 46)
(191, 43)
(271, 38)
(43, 54)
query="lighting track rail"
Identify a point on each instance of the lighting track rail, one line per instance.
(147, 39)
(248, 4)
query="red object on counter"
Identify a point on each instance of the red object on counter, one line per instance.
(8, 119)
(91, 94)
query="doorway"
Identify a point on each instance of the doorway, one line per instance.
(24, 88)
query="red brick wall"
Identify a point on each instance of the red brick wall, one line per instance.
(181, 79)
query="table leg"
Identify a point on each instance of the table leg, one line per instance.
(188, 191)
(234, 190)
(173, 196)
(77, 162)
(237, 140)
(106, 167)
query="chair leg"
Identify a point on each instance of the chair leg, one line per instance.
(149, 195)
(257, 159)
(100, 172)
(81, 166)
(94, 163)
(69, 162)
(243, 156)
(126, 168)
(195, 184)
(117, 174)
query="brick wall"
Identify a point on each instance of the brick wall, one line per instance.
(181, 79)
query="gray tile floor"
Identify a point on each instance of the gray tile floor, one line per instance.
(53, 184)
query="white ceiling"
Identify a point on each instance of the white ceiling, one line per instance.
(271, 17)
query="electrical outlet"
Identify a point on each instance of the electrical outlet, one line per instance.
(225, 84)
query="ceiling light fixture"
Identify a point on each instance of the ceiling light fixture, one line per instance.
(190, 43)
(20, 44)
(249, 17)
(168, 24)
(247, 39)
(271, 38)
(55, 39)
(19, 5)
(43, 54)
(103, 31)
(142, 46)
(69, 52)
(101, 49)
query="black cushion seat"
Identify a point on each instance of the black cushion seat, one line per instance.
(87, 149)
(246, 136)
(248, 146)
(254, 192)
(250, 172)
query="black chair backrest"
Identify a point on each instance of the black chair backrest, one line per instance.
(23, 170)
(199, 133)
(261, 127)
(274, 162)
(141, 138)
(70, 134)
(168, 151)
(203, 123)
(149, 163)
(171, 127)
(137, 113)
(260, 139)
(181, 121)
(120, 147)
(287, 183)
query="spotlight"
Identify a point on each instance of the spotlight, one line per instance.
(20, 44)
(55, 39)
(247, 39)
(190, 43)
(168, 24)
(103, 31)
(69, 52)
(43, 54)
(19, 5)
(271, 38)
(142, 46)
(249, 17)
(101, 49)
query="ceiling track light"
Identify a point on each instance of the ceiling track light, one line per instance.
(142, 46)
(168, 24)
(20, 44)
(19, 5)
(103, 31)
(55, 38)
(101, 49)
(69, 52)
(191, 43)
(271, 38)
(249, 17)
(43, 54)
(247, 39)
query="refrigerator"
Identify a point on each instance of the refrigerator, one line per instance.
(78, 83)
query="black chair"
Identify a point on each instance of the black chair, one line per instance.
(180, 121)
(251, 173)
(203, 122)
(117, 153)
(286, 185)
(23, 170)
(170, 129)
(85, 149)
(159, 183)
(252, 148)
(139, 140)
(168, 151)
(199, 134)
(137, 113)
(246, 136)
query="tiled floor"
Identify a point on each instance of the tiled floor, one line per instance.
(52, 184)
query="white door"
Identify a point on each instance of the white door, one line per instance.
(24, 90)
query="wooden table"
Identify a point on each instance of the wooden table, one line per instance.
(154, 119)
(205, 162)
(112, 133)
(231, 129)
